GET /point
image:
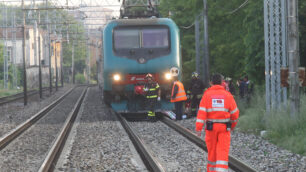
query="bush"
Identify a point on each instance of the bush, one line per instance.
(282, 129)
(80, 79)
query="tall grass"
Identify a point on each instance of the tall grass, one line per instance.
(283, 130)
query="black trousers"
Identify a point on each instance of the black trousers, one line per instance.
(179, 110)
(195, 102)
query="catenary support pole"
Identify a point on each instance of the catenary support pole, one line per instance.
(39, 70)
(197, 43)
(24, 58)
(293, 55)
(206, 47)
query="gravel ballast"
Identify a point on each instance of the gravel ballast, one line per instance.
(27, 152)
(98, 142)
(259, 153)
(13, 114)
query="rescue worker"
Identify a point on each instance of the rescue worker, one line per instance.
(195, 92)
(152, 95)
(178, 97)
(218, 112)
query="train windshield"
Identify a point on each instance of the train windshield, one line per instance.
(155, 38)
(126, 38)
(146, 37)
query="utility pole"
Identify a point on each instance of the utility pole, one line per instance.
(88, 58)
(206, 47)
(72, 63)
(49, 49)
(61, 63)
(14, 55)
(197, 43)
(56, 72)
(39, 69)
(293, 54)
(25, 95)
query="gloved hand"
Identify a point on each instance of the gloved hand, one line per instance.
(146, 89)
(158, 98)
(198, 133)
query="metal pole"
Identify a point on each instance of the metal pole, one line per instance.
(14, 52)
(206, 47)
(39, 62)
(267, 55)
(24, 58)
(72, 63)
(284, 45)
(293, 39)
(88, 58)
(49, 47)
(61, 64)
(197, 44)
(56, 72)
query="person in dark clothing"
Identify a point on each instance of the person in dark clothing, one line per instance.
(178, 97)
(231, 87)
(195, 92)
(152, 95)
(241, 85)
(248, 91)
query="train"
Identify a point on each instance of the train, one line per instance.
(133, 48)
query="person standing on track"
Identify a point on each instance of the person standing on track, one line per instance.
(195, 92)
(219, 112)
(178, 97)
(152, 95)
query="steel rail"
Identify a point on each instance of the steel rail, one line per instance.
(234, 163)
(10, 136)
(56, 149)
(149, 160)
(15, 97)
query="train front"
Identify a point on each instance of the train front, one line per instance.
(133, 48)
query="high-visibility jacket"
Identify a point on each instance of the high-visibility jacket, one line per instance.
(181, 94)
(217, 105)
(151, 90)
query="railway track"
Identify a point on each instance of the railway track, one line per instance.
(18, 96)
(35, 135)
(151, 162)
(234, 163)
(154, 164)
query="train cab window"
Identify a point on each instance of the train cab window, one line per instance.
(155, 38)
(127, 38)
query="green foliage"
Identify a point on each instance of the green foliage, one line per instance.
(282, 129)
(79, 78)
(236, 38)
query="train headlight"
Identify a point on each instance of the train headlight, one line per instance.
(116, 77)
(168, 76)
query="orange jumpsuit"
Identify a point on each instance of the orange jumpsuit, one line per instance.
(218, 106)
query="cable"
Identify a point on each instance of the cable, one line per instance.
(241, 6)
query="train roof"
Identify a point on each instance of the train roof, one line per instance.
(141, 21)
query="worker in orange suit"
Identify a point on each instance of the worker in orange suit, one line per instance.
(218, 112)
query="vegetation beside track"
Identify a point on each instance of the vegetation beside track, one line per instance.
(282, 129)
(8, 92)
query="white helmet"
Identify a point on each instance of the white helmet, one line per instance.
(174, 71)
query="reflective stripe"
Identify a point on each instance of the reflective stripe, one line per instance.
(152, 96)
(218, 169)
(152, 89)
(181, 91)
(180, 96)
(233, 111)
(219, 120)
(234, 120)
(200, 120)
(217, 110)
(218, 163)
(214, 109)
(203, 109)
